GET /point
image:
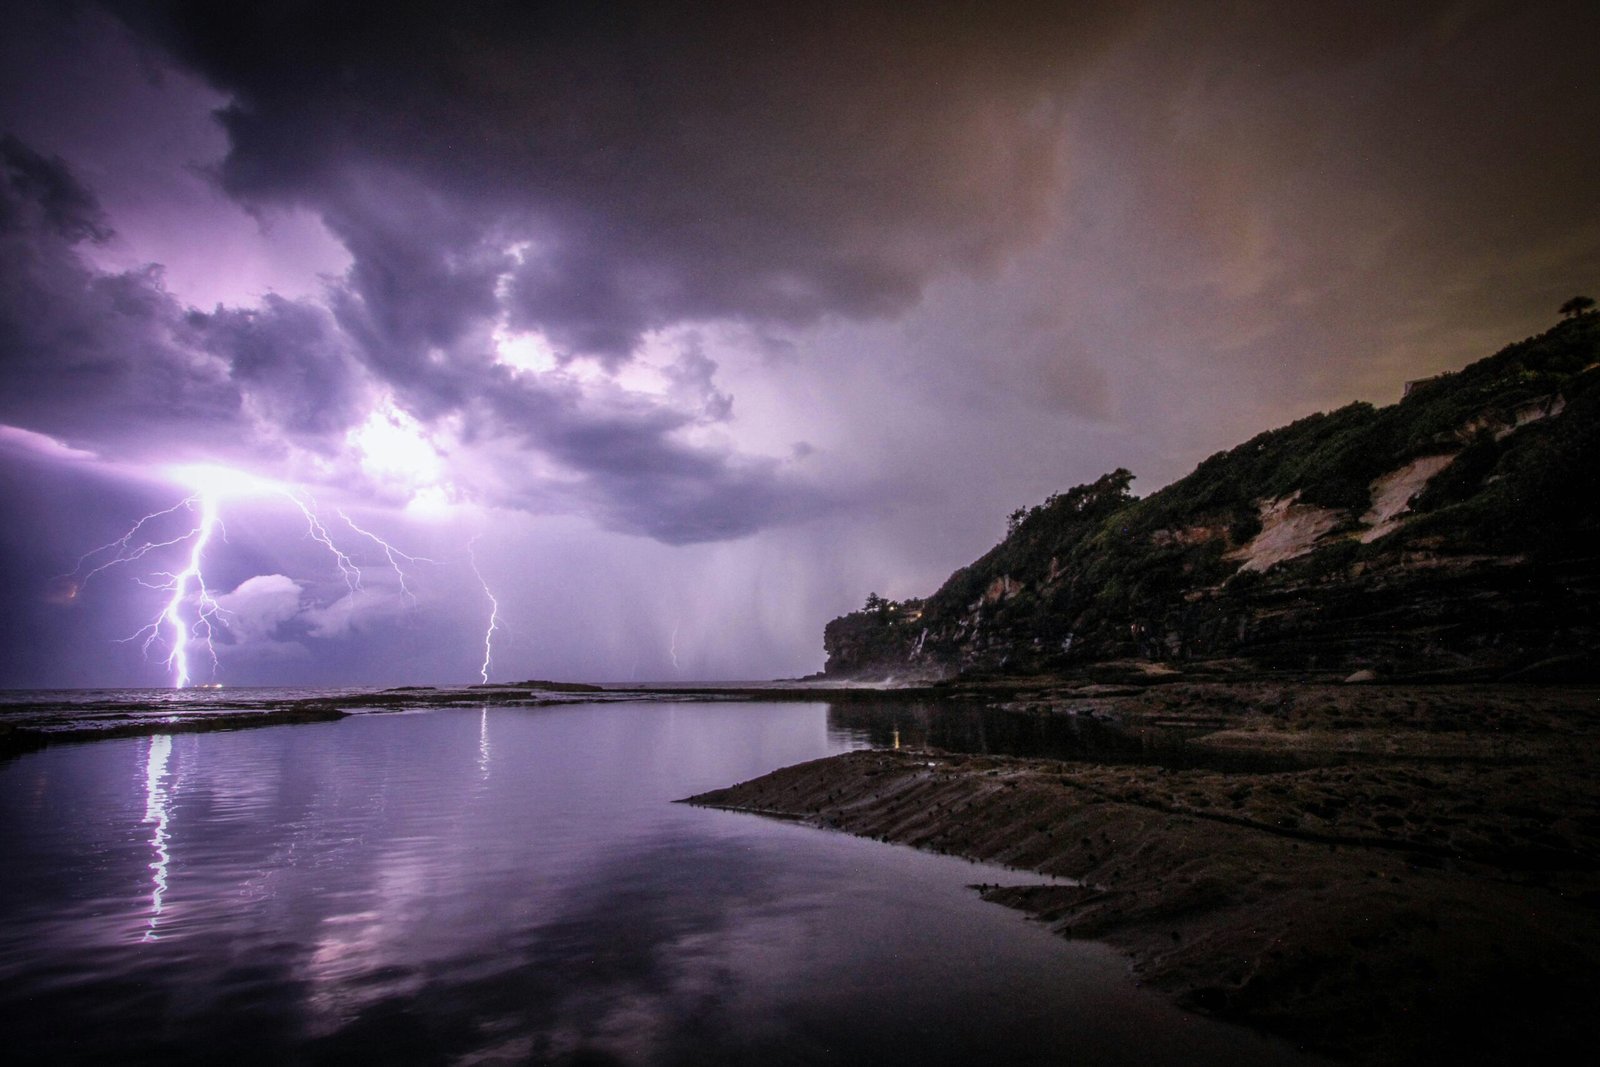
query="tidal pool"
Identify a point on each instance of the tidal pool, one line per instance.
(515, 885)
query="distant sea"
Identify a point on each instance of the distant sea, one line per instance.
(514, 884)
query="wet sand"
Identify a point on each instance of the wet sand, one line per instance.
(1420, 883)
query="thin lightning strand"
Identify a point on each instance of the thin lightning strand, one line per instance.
(125, 554)
(319, 533)
(672, 649)
(393, 554)
(494, 611)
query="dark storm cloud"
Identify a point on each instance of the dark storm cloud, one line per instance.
(103, 359)
(1334, 198)
(292, 360)
(1283, 194)
(639, 475)
(47, 190)
(112, 362)
(655, 164)
(594, 172)
(665, 163)
(423, 282)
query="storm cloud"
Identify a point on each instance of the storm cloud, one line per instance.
(658, 164)
(81, 347)
(113, 362)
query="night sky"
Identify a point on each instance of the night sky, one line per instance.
(679, 333)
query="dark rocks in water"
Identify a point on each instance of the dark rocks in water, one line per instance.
(134, 720)
(560, 687)
(1450, 537)
(548, 687)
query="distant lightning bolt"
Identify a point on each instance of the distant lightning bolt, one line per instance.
(179, 658)
(673, 649)
(180, 633)
(347, 567)
(319, 533)
(190, 614)
(393, 554)
(494, 611)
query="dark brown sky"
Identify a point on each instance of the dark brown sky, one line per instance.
(711, 321)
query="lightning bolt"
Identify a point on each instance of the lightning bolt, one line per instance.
(494, 611)
(188, 620)
(672, 649)
(207, 608)
(180, 633)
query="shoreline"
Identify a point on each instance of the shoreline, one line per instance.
(1146, 699)
(1423, 894)
(1383, 872)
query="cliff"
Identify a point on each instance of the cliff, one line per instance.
(1449, 535)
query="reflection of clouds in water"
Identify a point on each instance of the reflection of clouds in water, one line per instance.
(376, 951)
(590, 932)
(653, 943)
(156, 810)
(664, 948)
(647, 949)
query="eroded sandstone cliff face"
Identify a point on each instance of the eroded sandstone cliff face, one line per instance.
(1453, 534)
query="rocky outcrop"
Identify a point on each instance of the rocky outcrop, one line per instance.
(1288, 530)
(1392, 495)
(883, 642)
(1452, 534)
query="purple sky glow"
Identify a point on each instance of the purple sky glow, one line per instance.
(678, 333)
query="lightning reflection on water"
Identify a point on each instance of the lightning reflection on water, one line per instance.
(157, 811)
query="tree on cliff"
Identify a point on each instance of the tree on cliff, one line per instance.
(1108, 492)
(1578, 305)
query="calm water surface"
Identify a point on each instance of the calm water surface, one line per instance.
(515, 886)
